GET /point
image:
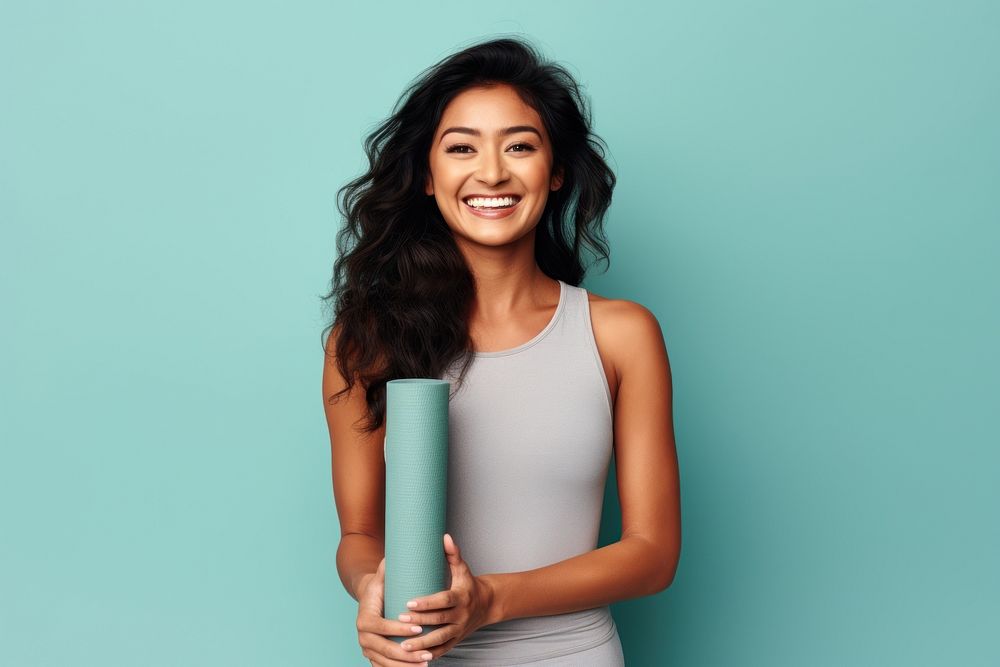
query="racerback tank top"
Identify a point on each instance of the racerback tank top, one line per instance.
(530, 443)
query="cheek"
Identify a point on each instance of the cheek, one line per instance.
(538, 177)
(443, 176)
(447, 184)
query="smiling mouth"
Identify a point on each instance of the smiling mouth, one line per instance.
(492, 203)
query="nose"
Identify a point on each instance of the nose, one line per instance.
(492, 169)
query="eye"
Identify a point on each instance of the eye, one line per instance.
(461, 148)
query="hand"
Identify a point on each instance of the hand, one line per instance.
(374, 630)
(462, 609)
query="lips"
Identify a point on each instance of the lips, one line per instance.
(506, 195)
(492, 213)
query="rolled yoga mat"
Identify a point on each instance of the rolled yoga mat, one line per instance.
(416, 480)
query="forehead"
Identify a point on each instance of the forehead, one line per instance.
(488, 109)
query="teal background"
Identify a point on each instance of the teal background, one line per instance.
(807, 202)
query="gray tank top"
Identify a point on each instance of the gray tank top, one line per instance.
(530, 442)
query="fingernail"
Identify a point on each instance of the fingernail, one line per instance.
(426, 656)
(415, 628)
(411, 604)
(404, 617)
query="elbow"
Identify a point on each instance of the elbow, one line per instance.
(661, 563)
(666, 578)
(668, 571)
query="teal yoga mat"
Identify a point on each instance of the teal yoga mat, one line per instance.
(416, 492)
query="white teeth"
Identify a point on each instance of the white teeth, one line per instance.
(497, 202)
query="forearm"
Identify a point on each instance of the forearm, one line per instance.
(629, 568)
(357, 556)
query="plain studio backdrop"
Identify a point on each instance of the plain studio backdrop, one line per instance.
(807, 201)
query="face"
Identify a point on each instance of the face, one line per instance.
(491, 146)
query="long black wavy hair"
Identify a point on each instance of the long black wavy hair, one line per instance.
(402, 290)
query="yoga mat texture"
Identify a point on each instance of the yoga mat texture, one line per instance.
(416, 479)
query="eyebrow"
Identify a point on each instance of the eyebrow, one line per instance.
(500, 133)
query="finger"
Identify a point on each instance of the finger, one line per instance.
(433, 617)
(440, 600)
(429, 641)
(451, 550)
(458, 570)
(374, 623)
(391, 652)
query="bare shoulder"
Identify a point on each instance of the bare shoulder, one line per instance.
(620, 321)
(618, 310)
(622, 328)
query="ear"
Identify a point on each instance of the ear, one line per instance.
(557, 179)
(429, 185)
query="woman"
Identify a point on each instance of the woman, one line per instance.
(460, 260)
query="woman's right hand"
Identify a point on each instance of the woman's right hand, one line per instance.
(374, 630)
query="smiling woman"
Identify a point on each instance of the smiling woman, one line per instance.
(461, 260)
(481, 165)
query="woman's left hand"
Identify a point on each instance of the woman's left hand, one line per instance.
(460, 610)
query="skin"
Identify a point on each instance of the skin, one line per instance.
(514, 301)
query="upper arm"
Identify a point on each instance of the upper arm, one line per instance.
(356, 457)
(645, 454)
